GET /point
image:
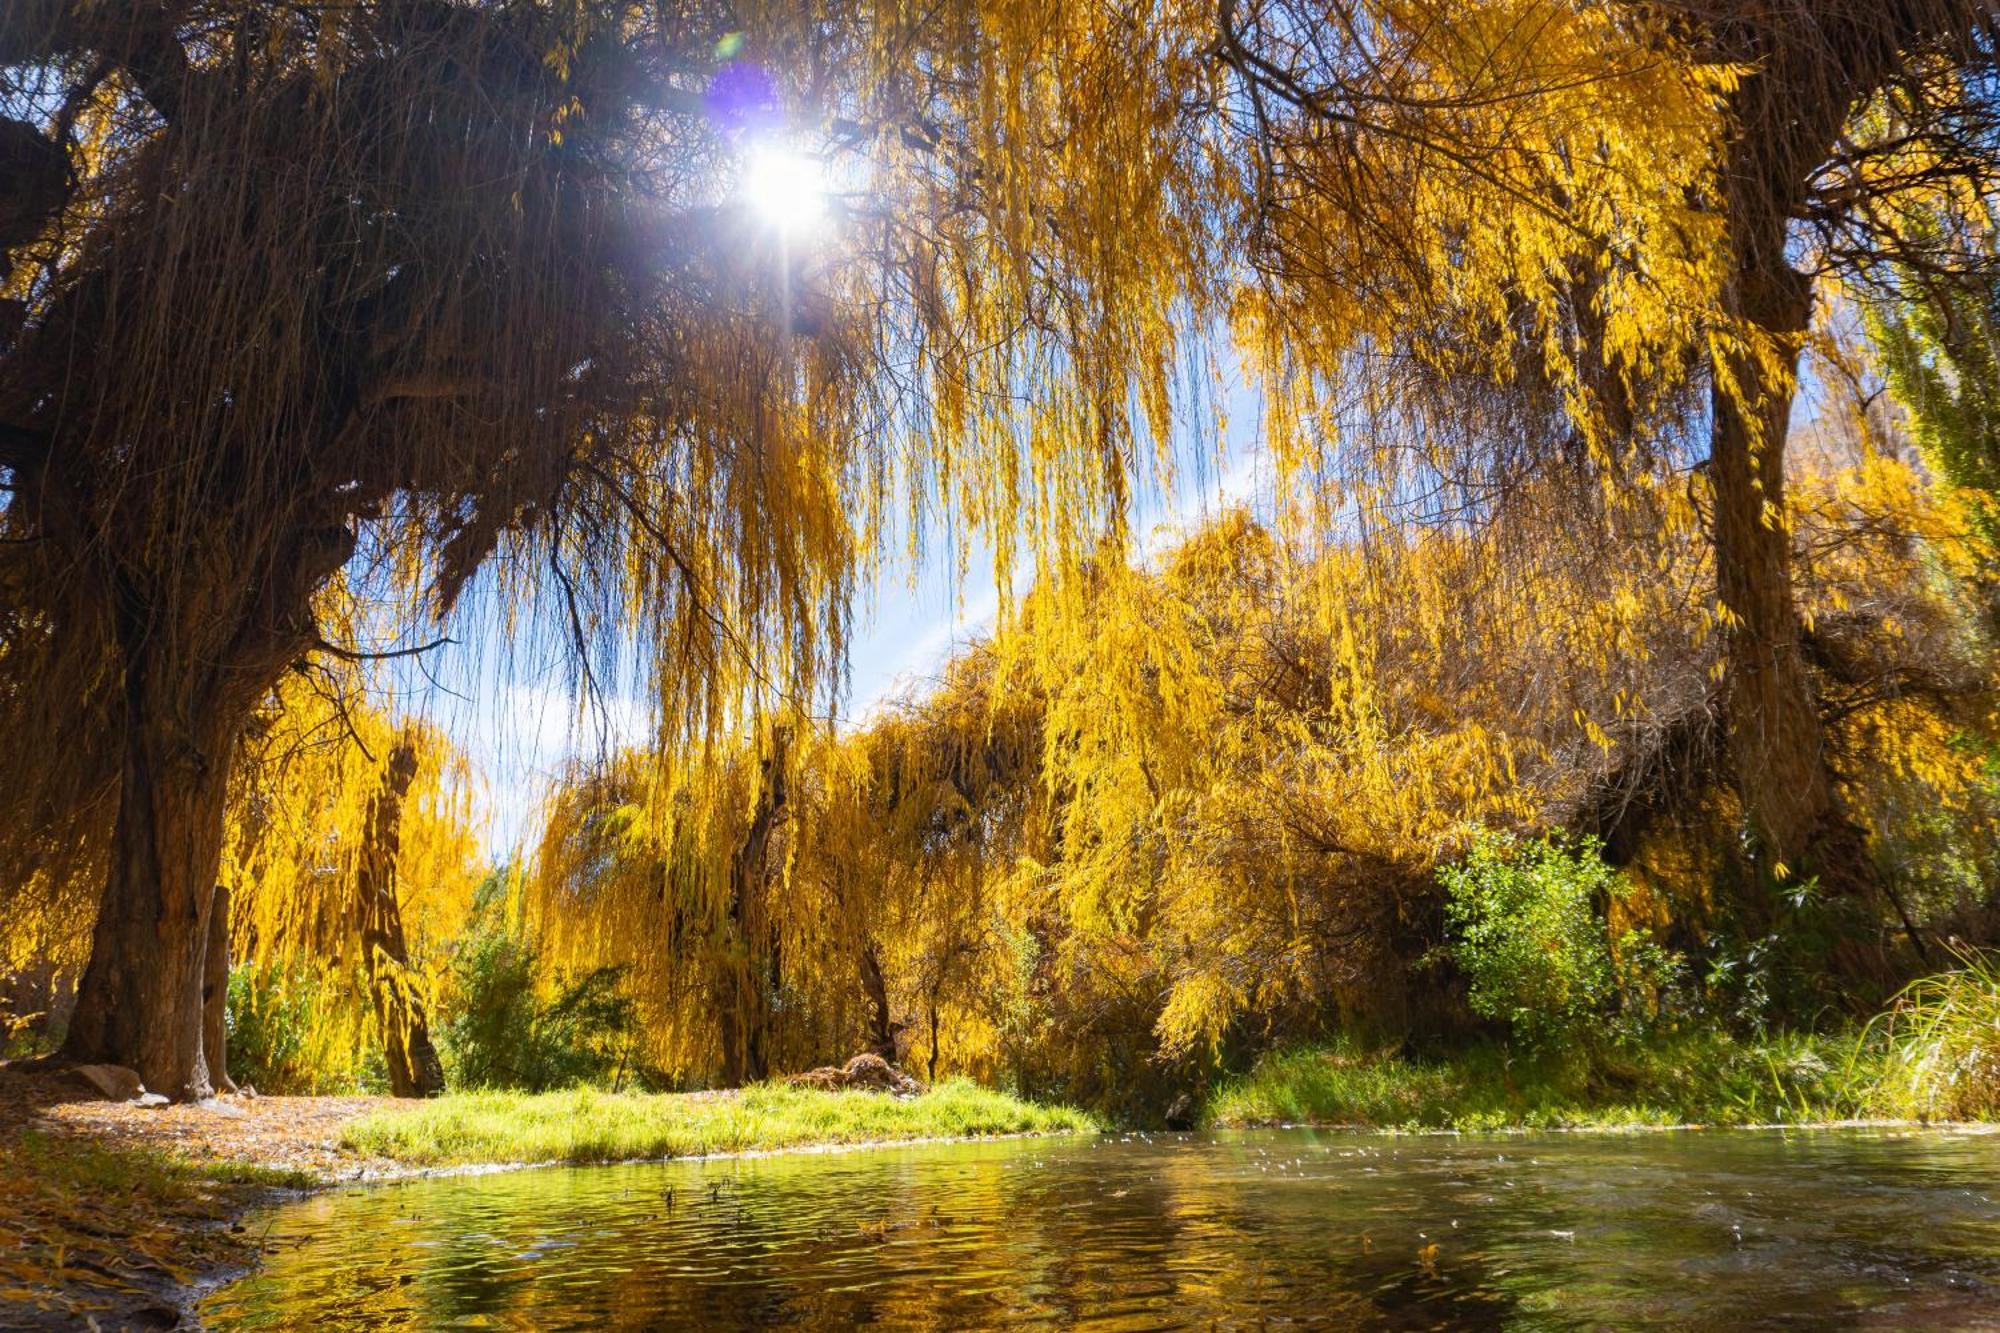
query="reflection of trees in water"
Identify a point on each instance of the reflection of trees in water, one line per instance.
(1325, 1231)
(983, 1235)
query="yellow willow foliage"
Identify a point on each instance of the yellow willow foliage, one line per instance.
(790, 867)
(1887, 549)
(47, 924)
(640, 866)
(299, 828)
(1212, 788)
(1512, 192)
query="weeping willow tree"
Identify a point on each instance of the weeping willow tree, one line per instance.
(353, 852)
(441, 287)
(1199, 804)
(436, 282)
(1593, 305)
(786, 899)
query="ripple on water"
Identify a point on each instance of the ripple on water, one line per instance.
(1287, 1227)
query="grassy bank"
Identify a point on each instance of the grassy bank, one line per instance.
(1704, 1078)
(590, 1126)
(118, 1222)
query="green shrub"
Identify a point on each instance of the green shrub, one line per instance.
(282, 1035)
(502, 1032)
(1523, 922)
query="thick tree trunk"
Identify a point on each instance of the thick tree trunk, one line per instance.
(140, 1002)
(1775, 737)
(1787, 118)
(215, 993)
(414, 1067)
(200, 643)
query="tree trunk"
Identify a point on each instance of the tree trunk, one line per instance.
(1787, 116)
(874, 985)
(1775, 735)
(414, 1067)
(199, 643)
(743, 987)
(140, 1002)
(931, 1059)
(215, 993)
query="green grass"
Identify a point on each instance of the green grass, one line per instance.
(1943, 1033)
(1692, 1078)
(585, 1125)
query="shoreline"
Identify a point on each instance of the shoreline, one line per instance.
(1633, 1127)
(163, 1194)
(217, 1165)
(399, 1174)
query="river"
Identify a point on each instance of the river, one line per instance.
(1852, 1228)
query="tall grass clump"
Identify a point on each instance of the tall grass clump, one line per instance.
(1943, 1034)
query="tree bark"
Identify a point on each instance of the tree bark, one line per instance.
(199, 642)
(140, 1001)
(1775, 736)
(215, 993)
(743, 1010)
(881, 1029)
(412, 1058)
(1787, 118)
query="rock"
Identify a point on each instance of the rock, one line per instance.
(150, 1099)
(220, 1107)
(115, 1083)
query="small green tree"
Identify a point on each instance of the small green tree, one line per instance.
(1522, 922)
(504, 1032)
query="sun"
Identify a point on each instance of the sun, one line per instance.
(785, 188)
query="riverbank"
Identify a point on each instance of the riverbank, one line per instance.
(1688, 1079)
(118, 1212)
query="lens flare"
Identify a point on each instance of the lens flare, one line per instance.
(786, 189)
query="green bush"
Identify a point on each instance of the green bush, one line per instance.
(502, 1032)
(281, 1037)
(1523, 922)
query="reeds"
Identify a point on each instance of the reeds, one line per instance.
(1943, 1034)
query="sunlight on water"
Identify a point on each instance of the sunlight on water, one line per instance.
(1278, 1228)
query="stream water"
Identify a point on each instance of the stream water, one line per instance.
(1695, 1230)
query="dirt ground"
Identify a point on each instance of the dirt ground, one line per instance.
(293, 1133)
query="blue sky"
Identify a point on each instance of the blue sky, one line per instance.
(514, 711)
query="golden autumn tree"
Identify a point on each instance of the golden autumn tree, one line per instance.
(443, 280)
(1599, 227)
(1197, 801)
(424, 283)
(350, 860)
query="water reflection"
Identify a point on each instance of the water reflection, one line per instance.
(1273, 1228)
